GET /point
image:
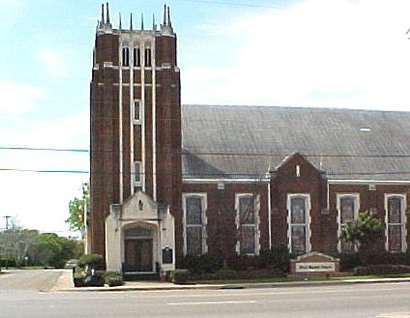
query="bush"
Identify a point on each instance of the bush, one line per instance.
(113, 279)
(242, 262)
(348, 262)
(179, 276)
(278, 258)
(7, 262)
(383, 269)
(91, 261)
(200, 264)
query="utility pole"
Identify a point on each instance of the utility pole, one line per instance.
(7, 217)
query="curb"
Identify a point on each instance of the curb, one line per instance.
(144, 286)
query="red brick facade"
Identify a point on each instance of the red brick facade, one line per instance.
(155, 141)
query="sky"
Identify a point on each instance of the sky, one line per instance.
(311, 53)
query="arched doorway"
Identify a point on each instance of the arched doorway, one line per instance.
(139, 249)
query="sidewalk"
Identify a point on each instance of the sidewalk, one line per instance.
(65, 283)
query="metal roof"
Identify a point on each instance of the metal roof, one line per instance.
(247, 141)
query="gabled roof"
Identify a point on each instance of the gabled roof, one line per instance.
(247, 141)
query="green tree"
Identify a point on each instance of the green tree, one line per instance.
(53, 250)
(365, 232)
(16, 241)
(77, 210)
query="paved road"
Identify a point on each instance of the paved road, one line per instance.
(39, 280)
(388, 300)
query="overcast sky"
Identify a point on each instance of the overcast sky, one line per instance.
(312, 53)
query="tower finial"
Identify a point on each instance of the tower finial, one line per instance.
(153, 22)
(130, 21)
(120, 21)
(102, 14)
(108, 14)
(165, 15)
(142, 22)
(169, 17)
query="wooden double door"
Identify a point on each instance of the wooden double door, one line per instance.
(138, 255)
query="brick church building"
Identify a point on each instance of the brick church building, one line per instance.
(169, 180)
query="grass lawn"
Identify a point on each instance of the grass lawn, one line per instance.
(296, 279)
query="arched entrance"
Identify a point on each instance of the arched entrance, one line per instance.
(139, 248)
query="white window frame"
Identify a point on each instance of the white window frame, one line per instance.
(306, 197)
(137, 169)
(137, 116)
(403, 199)
(339, 197)
(204, 202)
(254, 225)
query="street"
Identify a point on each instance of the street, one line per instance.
(387, 300)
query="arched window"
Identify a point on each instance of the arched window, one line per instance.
(395, 222)
(348, 210)
(148, 57)
(299, 221)
(137, 57)
(194, 206)
(125, 55)
(247, 219)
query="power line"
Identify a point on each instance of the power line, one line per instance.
(236, 4)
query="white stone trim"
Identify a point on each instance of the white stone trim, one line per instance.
(369, 181)
(223, 180)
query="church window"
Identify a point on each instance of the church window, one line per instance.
(348, 210)
(299, 223)
(125, 54)
(137, 111)
(137, 173)
(194, 206)
(137, 57)
(246, 213)
(148, 57)
(395, 221)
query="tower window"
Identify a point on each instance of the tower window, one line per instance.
(137, 111)
(137, 57)
(148, 57)
(137, 178)
(125, 56)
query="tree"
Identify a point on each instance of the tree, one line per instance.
(16, 241)
(53, 250)
(364, 232)
(77, 210)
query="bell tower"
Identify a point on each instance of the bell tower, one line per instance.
(135, 113)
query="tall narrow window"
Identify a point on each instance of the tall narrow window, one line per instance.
(137, 57)
(246, 208)
(137, 174)
(137, 111)
(148, 57)
(348, 210)
(125, 56)
(395, 221)
(299, 219)
(194, 217)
